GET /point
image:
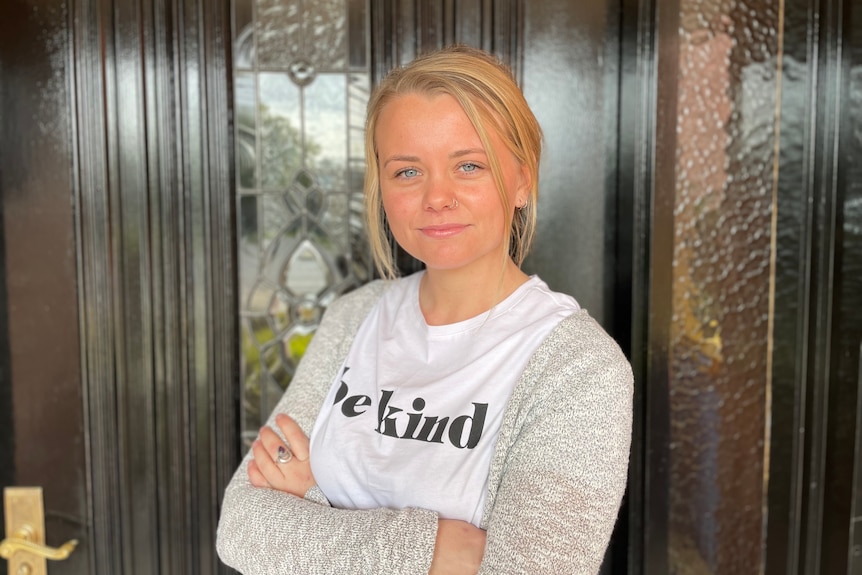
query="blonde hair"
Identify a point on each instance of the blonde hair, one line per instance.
(489, 95)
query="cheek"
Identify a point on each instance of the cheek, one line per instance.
(396, 209)
(396, 205)
(388, 205)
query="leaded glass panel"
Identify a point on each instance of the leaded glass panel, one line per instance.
(300, 94)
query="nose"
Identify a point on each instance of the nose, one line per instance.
(439, 195)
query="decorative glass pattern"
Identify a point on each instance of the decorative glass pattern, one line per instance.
(300, 97)
(719, 353)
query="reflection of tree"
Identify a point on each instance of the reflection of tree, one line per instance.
(284, 150)
(281, 147)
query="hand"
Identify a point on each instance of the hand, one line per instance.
(295, 475)
(459, 548)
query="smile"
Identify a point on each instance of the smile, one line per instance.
(443, 231)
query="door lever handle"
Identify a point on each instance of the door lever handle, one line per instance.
(22, 540)
(24, 547)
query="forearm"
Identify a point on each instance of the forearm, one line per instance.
(263, 531)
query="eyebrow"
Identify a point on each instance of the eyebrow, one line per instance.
(456, 154)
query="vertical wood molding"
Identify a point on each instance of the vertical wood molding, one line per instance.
(854, 559)
(815, 417)
(157, 279)
(658, 310)
(654, 150)
(221, 387)
(403, 29)
(824, 201)
(95, 286)
(792, 277)
(638, 93)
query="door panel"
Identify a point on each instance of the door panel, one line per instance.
(41, 407)
(572, 49)
(157, 277)
(117, 317)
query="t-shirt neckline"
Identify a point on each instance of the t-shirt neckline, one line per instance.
(474, 322)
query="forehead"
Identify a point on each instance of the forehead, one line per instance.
(420, 102)
(428, 115)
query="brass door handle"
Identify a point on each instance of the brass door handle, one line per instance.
(23, 541)
(24, 546)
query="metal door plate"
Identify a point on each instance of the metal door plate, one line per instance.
(25, 515)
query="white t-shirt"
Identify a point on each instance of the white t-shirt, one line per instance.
(413, 415)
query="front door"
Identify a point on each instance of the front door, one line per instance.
(119, 313)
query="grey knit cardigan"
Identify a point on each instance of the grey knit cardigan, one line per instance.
(556, 480)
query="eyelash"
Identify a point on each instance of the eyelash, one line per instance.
(473, 165)
(402, 173)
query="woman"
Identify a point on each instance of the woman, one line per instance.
(463, 419)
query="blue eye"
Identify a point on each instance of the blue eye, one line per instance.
(469, 167)
(407, 173)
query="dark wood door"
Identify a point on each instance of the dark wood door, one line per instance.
(117, 341)
(119, 346)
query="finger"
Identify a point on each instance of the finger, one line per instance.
(271, 441)
(256, 477)
(295, 436)
(268, 468)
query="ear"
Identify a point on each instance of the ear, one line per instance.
(522, 192)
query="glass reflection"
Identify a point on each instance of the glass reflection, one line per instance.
(281, 140)
(306, 272)
(246, 126)
(326, 126)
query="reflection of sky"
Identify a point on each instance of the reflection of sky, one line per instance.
(325, 108)
(326, 115)
(244, 88)
(280, 96)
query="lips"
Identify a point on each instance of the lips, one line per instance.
(442, 231)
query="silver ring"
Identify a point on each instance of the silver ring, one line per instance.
(284, 454)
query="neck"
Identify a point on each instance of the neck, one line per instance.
(450, 296)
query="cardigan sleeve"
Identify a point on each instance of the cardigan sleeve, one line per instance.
(265, 531)
(563, 476)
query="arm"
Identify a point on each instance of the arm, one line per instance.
(458, 547)
(564, 472)
(266, 531)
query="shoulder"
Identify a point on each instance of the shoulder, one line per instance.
(356, 303)
(579, 335)
(540, 290)
(579, 355)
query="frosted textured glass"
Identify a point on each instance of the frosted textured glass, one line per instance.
(725, 130)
